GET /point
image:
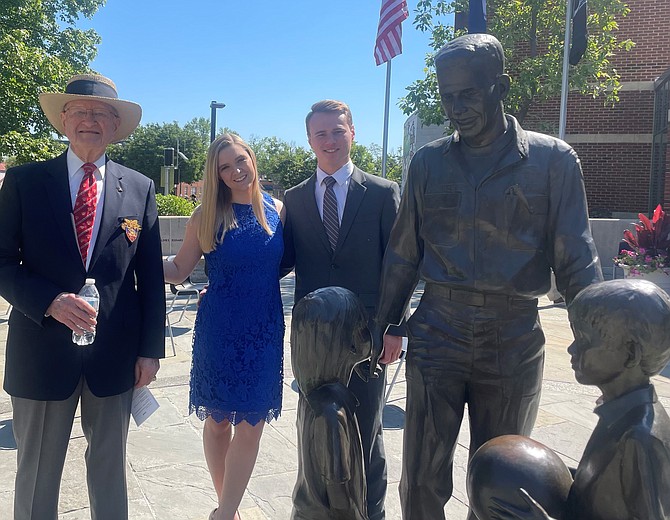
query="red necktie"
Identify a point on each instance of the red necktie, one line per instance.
(84, 209)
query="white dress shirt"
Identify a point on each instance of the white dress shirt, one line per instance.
(75, 175)
(341, 187)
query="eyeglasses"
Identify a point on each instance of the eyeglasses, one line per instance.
(98, 114)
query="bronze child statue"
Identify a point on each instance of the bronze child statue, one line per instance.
(329, 337)
(622, 338)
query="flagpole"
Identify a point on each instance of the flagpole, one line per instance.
(386, 118)
(388, 45)
(566, 70)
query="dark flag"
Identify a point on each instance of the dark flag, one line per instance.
(477, 16)
(579, 33)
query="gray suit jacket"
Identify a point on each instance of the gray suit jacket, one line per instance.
(369, 213)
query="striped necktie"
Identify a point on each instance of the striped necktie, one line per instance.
(84, 209)
(331, 220)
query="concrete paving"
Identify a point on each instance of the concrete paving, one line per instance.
(167, 475)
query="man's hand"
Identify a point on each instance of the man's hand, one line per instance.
(145, 371)
(392, 349)
(73, 312)
(201, 295)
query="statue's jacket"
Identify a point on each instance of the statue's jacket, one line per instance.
(624, 473)
(501, 234)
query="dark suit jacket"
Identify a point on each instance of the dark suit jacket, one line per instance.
(369, 213)
(39, 259)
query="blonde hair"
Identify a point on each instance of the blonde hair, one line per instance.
(217, 207)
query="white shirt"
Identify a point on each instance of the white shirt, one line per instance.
(75, 175)
(341, 187)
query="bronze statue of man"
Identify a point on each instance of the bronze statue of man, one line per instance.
(486, 214)
(622, 338)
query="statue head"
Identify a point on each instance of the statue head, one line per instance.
(621, 328)
(504, 465)
(329, 336)
(472, 85)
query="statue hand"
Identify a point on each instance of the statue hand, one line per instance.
(377, 335)
(503, 510)
(363, 370)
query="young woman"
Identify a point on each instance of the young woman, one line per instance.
(236, 376)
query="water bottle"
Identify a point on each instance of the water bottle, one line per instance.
(90, 294)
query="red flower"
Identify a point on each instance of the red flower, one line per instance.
(652, 234)
(650, 244)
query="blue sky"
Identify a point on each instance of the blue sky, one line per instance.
(268, 61)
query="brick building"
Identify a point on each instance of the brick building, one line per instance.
(189, 190)
(616, 144)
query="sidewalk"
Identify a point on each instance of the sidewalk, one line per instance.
(167, 475)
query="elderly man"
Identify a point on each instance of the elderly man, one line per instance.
(75, 217)
(486, 214)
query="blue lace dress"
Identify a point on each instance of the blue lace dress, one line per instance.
(237, 368)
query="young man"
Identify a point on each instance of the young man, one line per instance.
(74, 217)
(486, 214)
(338, 223)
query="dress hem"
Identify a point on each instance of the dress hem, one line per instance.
(235, 417)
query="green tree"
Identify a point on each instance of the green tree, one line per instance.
(21, 148)
(40, 49)
(532, 33)
(362, 157)
(282, 162)
(288, 165)
(294, 167)
(143, 150)
(269, 151)
(369, 159)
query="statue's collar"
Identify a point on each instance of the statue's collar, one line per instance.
(520, 137)
(329, 394)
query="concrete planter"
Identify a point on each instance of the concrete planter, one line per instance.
(172, 233)
(660, 277)
(607, 234)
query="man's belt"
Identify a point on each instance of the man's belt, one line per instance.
(478, 299)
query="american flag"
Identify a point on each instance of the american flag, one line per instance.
(389, 33)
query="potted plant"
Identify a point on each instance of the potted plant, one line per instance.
(647, 254)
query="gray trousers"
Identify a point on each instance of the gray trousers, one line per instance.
(488, 357)
(42, 432)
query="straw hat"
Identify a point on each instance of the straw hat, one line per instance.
(97, 88)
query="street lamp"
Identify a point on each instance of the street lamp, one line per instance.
(213, 106)
(167, 170)
(179, 155)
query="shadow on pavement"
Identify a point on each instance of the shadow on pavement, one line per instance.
(393, 417)
(7, 441)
